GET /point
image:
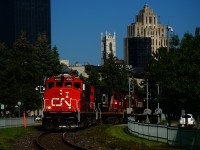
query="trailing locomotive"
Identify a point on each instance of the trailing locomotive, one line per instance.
(69, 103)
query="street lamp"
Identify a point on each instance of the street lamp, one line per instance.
(19, 104)
(169, 29)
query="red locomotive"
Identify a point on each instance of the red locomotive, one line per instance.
(68, 103)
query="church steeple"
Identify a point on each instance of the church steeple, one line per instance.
(108, 45)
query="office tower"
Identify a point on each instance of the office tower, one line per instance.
(29, 16)
(108, 45)
(138, 50)
(146, 26)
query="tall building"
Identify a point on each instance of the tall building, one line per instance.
(30, 16)
(138, 52)
(108, 45)
(146, 25)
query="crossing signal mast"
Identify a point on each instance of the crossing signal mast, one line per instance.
(147, 111)
(130, 89)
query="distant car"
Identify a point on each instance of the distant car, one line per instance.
(187, 120)
(38, 118)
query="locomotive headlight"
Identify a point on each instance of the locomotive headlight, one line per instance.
(49, 107)
(60, 92)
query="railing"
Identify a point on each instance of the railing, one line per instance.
(16, 122)
(175, 136)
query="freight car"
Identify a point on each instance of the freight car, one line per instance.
(70, 103)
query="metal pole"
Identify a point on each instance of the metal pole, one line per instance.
(147, 101)
(19, 111)
(147, 93)
(158, 94)
(158, 103)
(168, 39)
(129, 92)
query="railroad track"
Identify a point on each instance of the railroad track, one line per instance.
(55, 140)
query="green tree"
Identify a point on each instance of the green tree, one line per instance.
(113, 75)
(94, 75)
(178, 74)
(19, 73)
(23, 68)
(4, 53)
(55, 62)
(43, 57)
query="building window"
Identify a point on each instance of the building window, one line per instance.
(110, 47)
(150, 20)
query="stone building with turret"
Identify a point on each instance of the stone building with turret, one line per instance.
(108, 45)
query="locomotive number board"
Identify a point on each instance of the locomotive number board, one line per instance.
(57, 79)
(69, 79)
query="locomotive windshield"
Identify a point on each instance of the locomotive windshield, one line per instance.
(59, 84)
(50, 85)
(68, 84)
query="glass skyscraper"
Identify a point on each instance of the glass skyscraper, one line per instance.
(30, 16)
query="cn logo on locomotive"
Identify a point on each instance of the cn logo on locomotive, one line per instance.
(60, 101)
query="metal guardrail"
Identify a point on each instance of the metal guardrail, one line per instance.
(188, 138)
(16, 122)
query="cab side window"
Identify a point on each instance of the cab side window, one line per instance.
(77, 85)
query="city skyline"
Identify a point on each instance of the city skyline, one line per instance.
(77, 25)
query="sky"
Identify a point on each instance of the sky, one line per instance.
(76, 25)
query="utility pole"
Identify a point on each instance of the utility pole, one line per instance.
(158, 110)
(147, 86)
(147, 111)
(129, 109)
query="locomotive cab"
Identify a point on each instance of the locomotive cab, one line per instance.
(62, 100)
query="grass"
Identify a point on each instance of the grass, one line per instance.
(110, 136)
(9, 135)
(118, 137)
